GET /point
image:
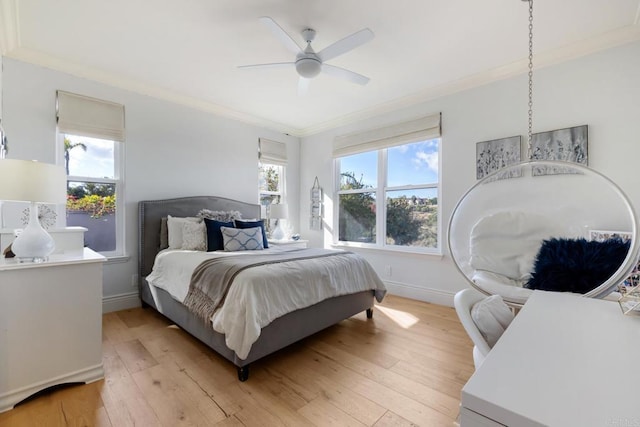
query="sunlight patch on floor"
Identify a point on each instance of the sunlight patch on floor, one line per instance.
(402, 318)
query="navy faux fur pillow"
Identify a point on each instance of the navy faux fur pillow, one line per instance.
(576, 265)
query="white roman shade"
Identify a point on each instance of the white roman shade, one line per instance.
(272, 152)
(420, 129)
(91, 117)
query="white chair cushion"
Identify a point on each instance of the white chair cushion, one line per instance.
(497, 284)
(492, 317)
(508, 242)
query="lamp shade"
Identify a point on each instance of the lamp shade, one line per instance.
(280, 211)
(31, 181)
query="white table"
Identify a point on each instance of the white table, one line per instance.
(565, 361)
(50, 323)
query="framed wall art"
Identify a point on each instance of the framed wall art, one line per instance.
(493, 155)
(565, 145)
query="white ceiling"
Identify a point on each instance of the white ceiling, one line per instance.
(187, 51)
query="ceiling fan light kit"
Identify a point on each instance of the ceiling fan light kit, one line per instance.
(308, 63)
(308, 67)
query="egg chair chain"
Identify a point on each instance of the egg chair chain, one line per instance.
(530, 112)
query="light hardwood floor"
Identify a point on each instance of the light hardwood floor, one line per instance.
(406, 366)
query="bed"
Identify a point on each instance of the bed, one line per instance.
(279, 333)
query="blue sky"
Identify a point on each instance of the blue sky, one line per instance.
(96, 162)
(407, 164)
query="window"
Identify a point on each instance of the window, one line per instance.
(271, 183)
(272, 161)
(388, 196)
(357, 197)
(92, 153)
(92, 188)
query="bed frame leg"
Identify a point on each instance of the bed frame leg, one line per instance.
(369, 313)
(243, 373)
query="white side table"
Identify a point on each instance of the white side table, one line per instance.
(50, 323)
(289, 244)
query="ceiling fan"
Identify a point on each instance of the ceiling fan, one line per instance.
(308, 63)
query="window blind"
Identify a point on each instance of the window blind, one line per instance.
(419, 129)
(91, 117)
(272, 152)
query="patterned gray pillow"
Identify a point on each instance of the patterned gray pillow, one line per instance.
(242, 239)
(226, 216)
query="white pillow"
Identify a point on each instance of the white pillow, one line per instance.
(507, 242)
(242, 239)
(194, 236)
(174, 229)
(492, 317)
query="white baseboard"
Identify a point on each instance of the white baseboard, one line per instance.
(120, 302)
(434, 296)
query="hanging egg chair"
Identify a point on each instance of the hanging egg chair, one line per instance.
(586, 223)
(543, 224)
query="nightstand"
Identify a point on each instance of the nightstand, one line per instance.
(289, 244)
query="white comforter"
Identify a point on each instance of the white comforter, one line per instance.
(253, 302)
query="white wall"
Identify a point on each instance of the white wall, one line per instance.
(173, 150)
(1, 87)
(170, 150)
(601, 90)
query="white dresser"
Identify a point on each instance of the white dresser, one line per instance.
(50, 323)
(66, 238)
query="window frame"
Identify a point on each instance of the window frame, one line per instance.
(380, 191)
(118, 181)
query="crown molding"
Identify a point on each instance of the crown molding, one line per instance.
(137, 86)
(9, 42)
(565, 53)
(9, 31)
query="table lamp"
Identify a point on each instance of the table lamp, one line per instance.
(33, 182)
(278, 212)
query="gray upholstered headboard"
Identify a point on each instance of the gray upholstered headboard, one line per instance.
(151, 212)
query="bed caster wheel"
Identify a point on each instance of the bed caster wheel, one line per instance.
(243, 373)
(369, 313)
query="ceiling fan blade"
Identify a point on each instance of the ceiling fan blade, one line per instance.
(281, 34)
(341, 73)
(346, 44)
(271, 65)
(303, 86)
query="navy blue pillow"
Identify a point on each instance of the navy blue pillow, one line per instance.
(215, 242)
(576, 265)
(251, 224)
